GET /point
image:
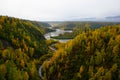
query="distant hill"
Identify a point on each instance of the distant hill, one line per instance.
(74, 24)
(43, 26)
(102, 19)
(113, 17)
(54, 23)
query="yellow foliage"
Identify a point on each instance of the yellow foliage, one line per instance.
(99, 73)
(25, 47)
(114, 68)
(116, 49)
(56, 55)
(108, 76)
(31, 51)
(3, 69)
(88, 48)
(25, 76)
(14, 41)
(22, 63)
(59, 75)
(117, 38)
(45, 65)
(81, 69)
(5, 53)
(0, 27)
(32, 69)
(90, 71)
(28, 38)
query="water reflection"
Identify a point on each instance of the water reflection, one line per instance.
(57, 33)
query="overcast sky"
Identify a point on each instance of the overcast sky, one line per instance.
(51, 10)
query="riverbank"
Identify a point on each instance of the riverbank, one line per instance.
(55, 35)
(40, 68)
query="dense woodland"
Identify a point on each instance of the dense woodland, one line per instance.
(92, 55)
(21, 45)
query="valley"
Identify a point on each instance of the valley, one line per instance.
(59, 39)
(33, 50)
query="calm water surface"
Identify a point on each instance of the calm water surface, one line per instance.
(57, 32)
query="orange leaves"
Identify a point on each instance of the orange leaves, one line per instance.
(56, 55)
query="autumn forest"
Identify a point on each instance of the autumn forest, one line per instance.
(92, 52)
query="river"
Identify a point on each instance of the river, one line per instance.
(48, 36)
(57, 32)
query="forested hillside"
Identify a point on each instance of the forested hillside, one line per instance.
(92, 55)
(21, 45)
(44, 27)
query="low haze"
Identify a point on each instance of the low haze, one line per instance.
(59, 10)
